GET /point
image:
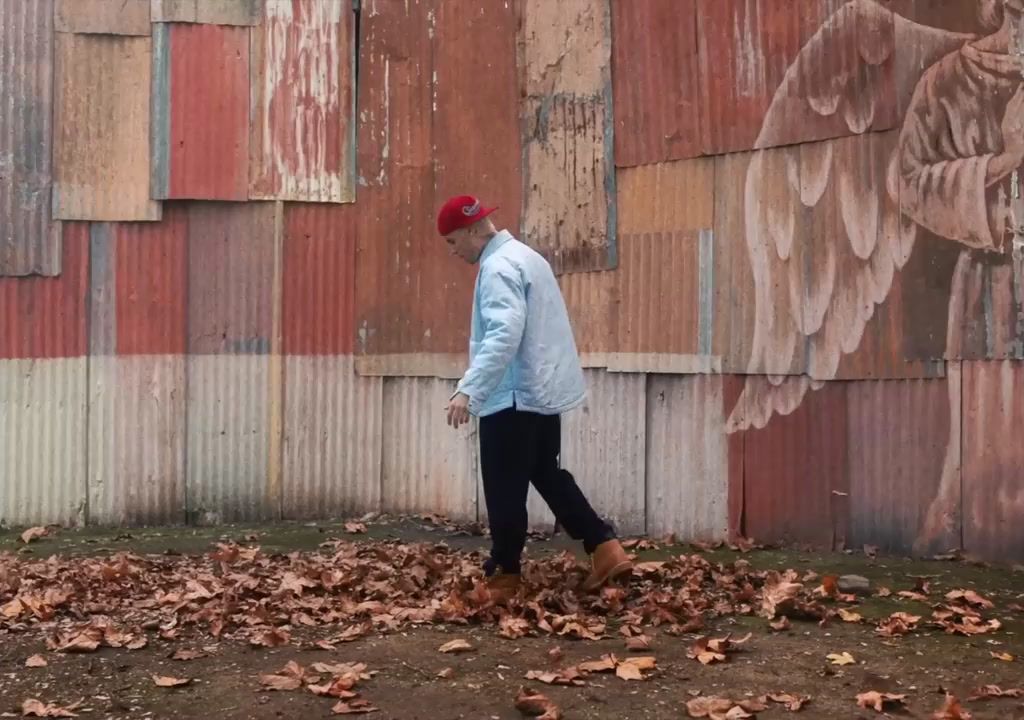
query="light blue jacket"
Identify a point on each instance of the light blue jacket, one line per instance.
(521, 347)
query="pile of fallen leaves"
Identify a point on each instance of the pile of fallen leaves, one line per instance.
(240, 592)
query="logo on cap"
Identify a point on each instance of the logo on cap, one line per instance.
(471, 210)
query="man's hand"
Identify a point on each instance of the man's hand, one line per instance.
(458, 410)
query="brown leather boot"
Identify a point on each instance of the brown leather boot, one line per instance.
(610, 562)
(503, 586)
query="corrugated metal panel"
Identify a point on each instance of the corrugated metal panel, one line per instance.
(43, 431)
(568, 166)
(302, 102)
(592, 302)
(840, 57)
(151, 270)
(333, 438)
(200, 71)
(667, 197)
(29, 239)
(137, 440)
(476, 130)
(993, 455)
(734, 295)
(428, 466)
(45, 317)
(796, 473)
(687, 462)
(219, 12)
(229, 442)
(412, 298)
(126, 17)
(101, 158)
(659, 310)
(663, 211)
(604, 447)
(904, 446)
(657, 81)
(232, 256)
(319, 279)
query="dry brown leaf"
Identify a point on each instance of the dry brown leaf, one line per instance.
(717, 708)
(513, 627)
(781, 624)
(354, 707)
(994, 691)
(555, 655)
(536, 705)
(829, 586)
(570, 676)
(290, 677)
(167, 682)
(633, 668)
(779, 598)
(32, 534)
(36, 661)
(455, 646)
(951, 710)
(843, 658)
(447, 673)
(355, 528)
(271, 638)
(1005, 657)
(607, 663)
(883, 592)
(338, 669)
(898, 624)
(877, 701)
(638, 643)
(33, 707)
(791, 702)
(849, 616)
(970, 597)
(339, 688)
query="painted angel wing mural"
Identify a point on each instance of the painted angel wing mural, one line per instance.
(824, 230)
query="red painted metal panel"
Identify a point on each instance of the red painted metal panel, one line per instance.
(411, 295)
(319, 279)
(796, 473)
(656, 81)
(45, 317)
(902, 436)
(302, 102)
(993, 455)
(231, 270)
(201, 112)
(151, 269)
(830, 64)
(29, 238)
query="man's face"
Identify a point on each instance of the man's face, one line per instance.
(461, 244)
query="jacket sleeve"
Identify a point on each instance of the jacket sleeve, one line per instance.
(503, 319)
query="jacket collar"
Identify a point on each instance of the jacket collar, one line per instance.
(500, 238)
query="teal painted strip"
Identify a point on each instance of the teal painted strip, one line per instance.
(706, 292)
(102, 290)
(160, 132)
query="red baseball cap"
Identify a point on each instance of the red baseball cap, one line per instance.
(461, 212)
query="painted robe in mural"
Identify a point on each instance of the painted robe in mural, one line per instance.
(952, 131)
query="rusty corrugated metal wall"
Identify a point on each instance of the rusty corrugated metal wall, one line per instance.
(801, 319)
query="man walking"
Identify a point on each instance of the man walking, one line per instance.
(524, 373)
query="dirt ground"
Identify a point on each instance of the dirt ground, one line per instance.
(923, 665)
